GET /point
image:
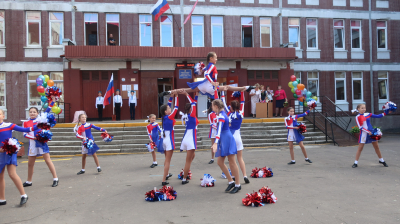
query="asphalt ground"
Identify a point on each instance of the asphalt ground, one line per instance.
(326, 191)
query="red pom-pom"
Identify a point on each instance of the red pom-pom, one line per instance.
(302, 128)
(268, 197)
(43, 126)
(254, 199)
(254, 172)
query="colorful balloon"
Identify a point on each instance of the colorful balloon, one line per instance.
(308, 94)
(50, 83)
(39, 81)
(40, 89)
(300, 86)
(60, 111)
(54, 109)
(44, 84)
(315, 98)
(290, 84)
(295, 95)
(42, 94)
(45, 105)
(42, 77)
(46, 78)
(301, 103)
(298, 92)
(293, 90)
(301, 99)
(293, 78)
(43, 99)
(298, 81)
(295, 84)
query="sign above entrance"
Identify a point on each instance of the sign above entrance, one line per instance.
(185, 73)
(184, 65)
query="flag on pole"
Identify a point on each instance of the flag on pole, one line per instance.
(109, 91)
(188, 17)
(159, 8)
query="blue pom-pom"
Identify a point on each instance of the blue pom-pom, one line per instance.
(236, 94)
(89, 143)
(51, 120)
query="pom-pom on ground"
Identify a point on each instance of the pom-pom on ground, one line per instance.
(188, 177)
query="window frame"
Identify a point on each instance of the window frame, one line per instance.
(119, 28)
(212, 28)
(362, 87)
(58, 81)
(298, 31)
(172, 30)
(84, 28)
(387, 87)
(270, 31)
(316, 33)
(140, 30)
(5, 91)
(252, 30)
(3, 20)
(27, 29)
(345, 88)
(360, 34)
(28, 95)
(343, 34)
(377, 36)
(202, 25)
(62, 25)
(313, 79)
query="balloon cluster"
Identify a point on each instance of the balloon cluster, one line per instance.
(44, 84)
(299, 91)
(106, 137)
(376, 134)
(261, 172)
(11, 146)
(166, 193)
(207, 181)
(188, 177)
(257, 199)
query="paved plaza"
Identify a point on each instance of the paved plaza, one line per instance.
(326, 191)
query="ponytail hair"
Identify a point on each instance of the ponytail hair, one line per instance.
(218, 103)
(163, 108)
(150, 116)
(235, 105)
(188, 106)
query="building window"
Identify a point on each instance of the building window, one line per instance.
(33, 28)
(340, 86)
(356, 34)
(247, 31)
(197, 31)
(91, 29)
(294, 32)
(312, 33)
(2, 35)
(146, 29)
(58, 78)
(3, 90)
(383, 86)
(298, 75)
(313, 83)
(381, 26)
(357, 86)
(265, 32)
(338, 32)
(217, 31)
(166, 31)
(33, 95)
(56, 28)
(112, 21)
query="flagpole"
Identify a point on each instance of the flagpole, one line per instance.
(112, 75)
(174, 18)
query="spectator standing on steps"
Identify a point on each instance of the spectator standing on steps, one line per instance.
(100, 106)
(117, 105)
(132, 104)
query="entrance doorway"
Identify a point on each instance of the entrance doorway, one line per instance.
(265, 78)
(164, 84)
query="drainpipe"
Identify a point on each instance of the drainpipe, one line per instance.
(73, 20)
(280, 21)
(182, 26)
(371, 75)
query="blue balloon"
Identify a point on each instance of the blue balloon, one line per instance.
(43, 99)
(309, 94)
(295, 84)
(301, 103)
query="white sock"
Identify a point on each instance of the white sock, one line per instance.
(247, 87)
(306, 158)
(232, 182)
(28, 182)
(155, 162)
(233, 176)
(212, 159)
(24, 196)
(2, 200)
(183, 179)
(381, 159)
(293, 160)
(83, 170)
(245, 176)
(98, 167)
(237, 185)
(169, 92)
(55, 179)
(356, 162)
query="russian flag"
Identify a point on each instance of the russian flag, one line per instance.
(109, 91)
(159, 8)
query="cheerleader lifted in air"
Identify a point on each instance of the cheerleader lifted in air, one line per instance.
(207, 86)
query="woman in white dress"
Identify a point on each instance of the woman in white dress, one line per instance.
(255, 98)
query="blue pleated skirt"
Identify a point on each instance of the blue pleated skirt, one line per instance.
(7, 160)
(226, 145)
(93, 150)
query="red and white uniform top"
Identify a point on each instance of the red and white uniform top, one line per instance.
(211, 72)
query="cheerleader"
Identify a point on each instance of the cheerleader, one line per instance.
(35, 151)
(6, 130)
(294, 135)
(168, 137)
(83, 131)
(364, 124)
(189, 141)
(225, 146)
(212, 119)
(152, 130)
(236, 115)
(207, 86)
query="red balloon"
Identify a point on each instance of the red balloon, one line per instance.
(40, 89)
(293, 78)
(298, 92)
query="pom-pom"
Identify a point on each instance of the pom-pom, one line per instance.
(389, 106)
(376, 134)
(106, 137)
(199, 69)
(254, 200)
(88, 143)
(268, 197)
(312, 104)
(151, 146)
(46, 121)
(11, 146)
(261, 172)
(53, 91)
(166, 193)
(44, 136)
(207, 181)
(224, 176)
(188, 177)
(236, 95)
(302, 128)
(285, 104)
